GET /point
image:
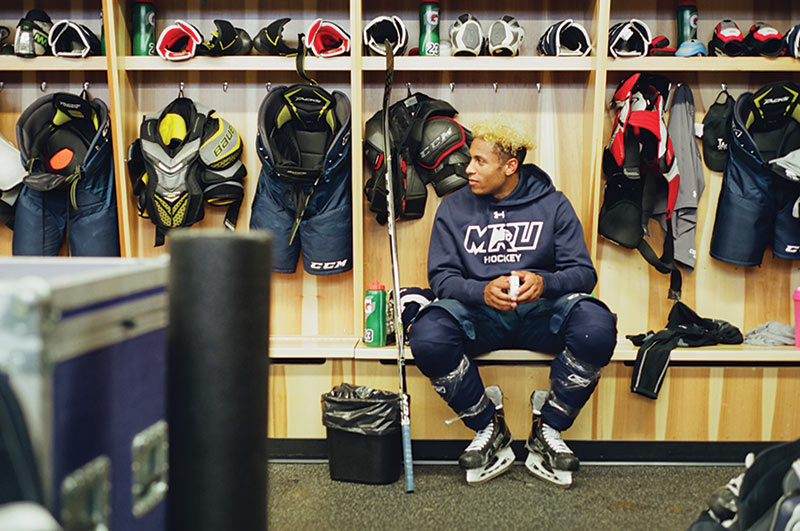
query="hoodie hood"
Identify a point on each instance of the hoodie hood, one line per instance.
(533, 184)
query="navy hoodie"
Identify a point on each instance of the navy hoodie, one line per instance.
(477, 238)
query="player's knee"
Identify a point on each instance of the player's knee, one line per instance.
(591, 333)
(435, 338)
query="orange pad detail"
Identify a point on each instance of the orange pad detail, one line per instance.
(61, 159)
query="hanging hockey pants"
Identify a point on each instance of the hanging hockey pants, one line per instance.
(580, 329)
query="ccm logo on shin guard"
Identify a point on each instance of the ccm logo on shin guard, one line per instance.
(328, 266)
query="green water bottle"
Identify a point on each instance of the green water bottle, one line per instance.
(429, 27)
(144, 28)
(375, 315)
(687, 20)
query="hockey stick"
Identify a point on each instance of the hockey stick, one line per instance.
(405, 419)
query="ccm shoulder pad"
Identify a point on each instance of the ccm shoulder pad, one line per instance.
(444, 154)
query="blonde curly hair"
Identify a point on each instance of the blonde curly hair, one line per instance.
(507, 133)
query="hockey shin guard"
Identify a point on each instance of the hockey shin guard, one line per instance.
(571, 384)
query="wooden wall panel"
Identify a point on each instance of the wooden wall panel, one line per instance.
(295, 391)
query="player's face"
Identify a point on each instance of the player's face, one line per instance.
(487, 173)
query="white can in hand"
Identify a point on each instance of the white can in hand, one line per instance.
(514, 285)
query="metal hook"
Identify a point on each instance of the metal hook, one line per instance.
(86, 86)
(224, 86)
(452, 86)
(408, 87)
(494, 84)
(2, 84)
(268, 85)
(724, 87)
(180, 89)
(43, 86)
(539, 87)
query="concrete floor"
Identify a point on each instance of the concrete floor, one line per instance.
(303, 497)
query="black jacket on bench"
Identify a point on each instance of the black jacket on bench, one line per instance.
(684, 329)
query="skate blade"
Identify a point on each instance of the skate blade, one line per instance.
(502, 462)
(535, 465)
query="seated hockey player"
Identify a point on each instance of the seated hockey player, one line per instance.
(511, 222)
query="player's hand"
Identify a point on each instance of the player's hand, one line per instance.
(495, 294)
(531, 286)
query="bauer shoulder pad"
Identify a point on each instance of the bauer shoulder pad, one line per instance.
(221, 145)
(444, 154)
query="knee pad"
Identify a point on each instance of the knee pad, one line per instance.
(436, 341)
(572, 382)
(591, 333)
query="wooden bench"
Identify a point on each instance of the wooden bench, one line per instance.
(716, 403)
(298, 348)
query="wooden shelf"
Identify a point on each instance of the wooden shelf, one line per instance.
(705, 64)
(234, 63)
(482, 64)
(10, 63)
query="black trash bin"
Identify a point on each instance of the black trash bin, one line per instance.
(363, 426)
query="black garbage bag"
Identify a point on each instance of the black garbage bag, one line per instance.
(361, 409)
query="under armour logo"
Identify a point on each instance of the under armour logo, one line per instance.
(497, 214)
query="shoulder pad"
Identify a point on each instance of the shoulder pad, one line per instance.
(221, 144)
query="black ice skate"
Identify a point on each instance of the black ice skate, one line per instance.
(489, 454)
(549, 457)
(723, 504)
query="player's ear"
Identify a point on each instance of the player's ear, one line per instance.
(511, 166)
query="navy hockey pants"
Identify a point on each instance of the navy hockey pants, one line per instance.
(92, 227)
(447, 334)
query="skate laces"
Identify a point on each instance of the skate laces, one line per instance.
(481, 438)
(553, 438)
